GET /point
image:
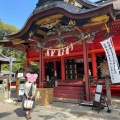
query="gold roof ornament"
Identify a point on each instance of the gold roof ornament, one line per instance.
(42, 32)
(74, 2)
(31, 34)
(51, 24)
(60, 45)
(49, 19)
(17, 41)
(70, 1)
(77, 4)
(100, 19)
(72, 23)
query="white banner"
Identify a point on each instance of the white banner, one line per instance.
(112, 60)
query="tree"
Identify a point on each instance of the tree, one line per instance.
(6, 29)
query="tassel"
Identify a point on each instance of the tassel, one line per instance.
(67, 50)
(59, 54)
(52, 52)
(63, 52)
(71, 47)
(48, 54)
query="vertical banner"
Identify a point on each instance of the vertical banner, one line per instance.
(112, 60)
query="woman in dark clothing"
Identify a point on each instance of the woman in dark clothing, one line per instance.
(29, 92)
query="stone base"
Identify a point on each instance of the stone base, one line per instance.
(44, 96)
(3, 95)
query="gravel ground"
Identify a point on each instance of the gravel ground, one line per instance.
(57, 111)
(14, 112)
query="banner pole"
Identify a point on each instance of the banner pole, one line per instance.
(108, 91)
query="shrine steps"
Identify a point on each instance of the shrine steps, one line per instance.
(70, 83)
(68, 91)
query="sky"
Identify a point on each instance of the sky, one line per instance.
(16, 12)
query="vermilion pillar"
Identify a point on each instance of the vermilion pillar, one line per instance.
(94, 65)
(63, 68)
(43, 69)
(86, 69)
(40, 67)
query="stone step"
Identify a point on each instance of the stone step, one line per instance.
(70, 83)
(68, 88)
(63, 95)
(68, 91)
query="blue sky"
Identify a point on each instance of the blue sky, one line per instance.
(16, 12)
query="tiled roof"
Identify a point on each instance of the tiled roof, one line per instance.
(116, 3)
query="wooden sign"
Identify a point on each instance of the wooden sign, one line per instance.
(99, 100)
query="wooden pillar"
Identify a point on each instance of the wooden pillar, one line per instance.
(108, 91)
(40, 67)
(27, 62)
(43, 69)
(86, 69)
(63, 68)
(94, 65)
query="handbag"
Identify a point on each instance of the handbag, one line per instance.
(28, 104)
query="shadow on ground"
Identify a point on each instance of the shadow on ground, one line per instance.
(4, 114)
(19, 112)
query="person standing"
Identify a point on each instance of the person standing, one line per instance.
(29, 93)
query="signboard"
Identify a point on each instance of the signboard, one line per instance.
(112, 60)
(98, 93)
(99, 101)
(99, 88)
(20, 75)
(21, 92)
(97, 97)
(21, 89)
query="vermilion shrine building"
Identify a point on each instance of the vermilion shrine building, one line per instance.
(64, 37)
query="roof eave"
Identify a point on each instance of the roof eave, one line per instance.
(108, 9)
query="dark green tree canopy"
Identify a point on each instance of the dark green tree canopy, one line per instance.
(6, 29)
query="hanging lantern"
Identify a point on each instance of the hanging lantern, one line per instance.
(67, 50)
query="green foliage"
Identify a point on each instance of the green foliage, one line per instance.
(34, 66)
(6, 29)
(19, 55)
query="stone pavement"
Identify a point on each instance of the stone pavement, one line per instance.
(14, 112)
(57, 111)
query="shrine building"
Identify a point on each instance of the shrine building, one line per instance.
(64, 37)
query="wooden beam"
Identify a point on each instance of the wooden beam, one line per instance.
(67, 34)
